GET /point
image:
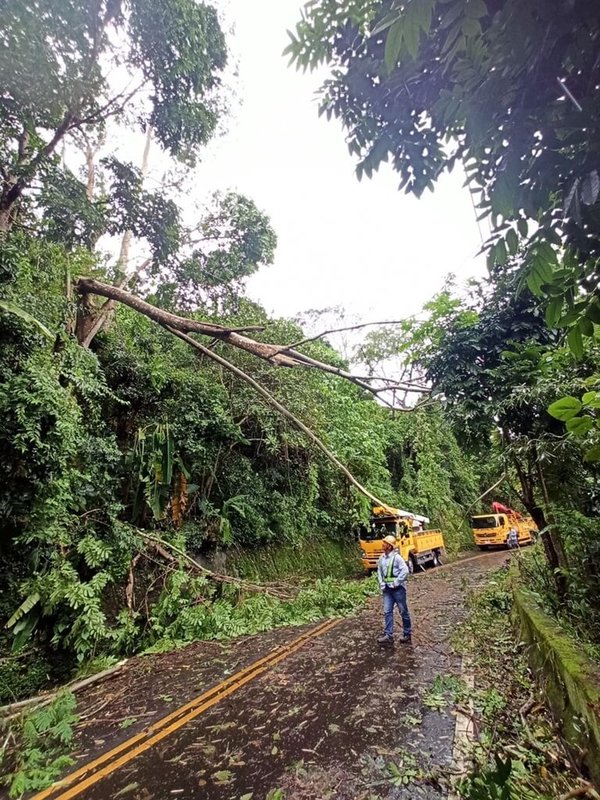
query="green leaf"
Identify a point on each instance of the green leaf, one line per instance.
(566, 408)
(522, 227)
(587, 326)
(22, 631)
(10, 308)
(547, 256)
(579, 426)
(593, 454)
(503, 191)
(476, 9)
(223, 776)
(25, 607)
(500, 253)
(512, 242)
(575, 342)
(590, 188)
(553, 311)
(543, 267)
(411, 34)
(588, 397)
(570, 317)
(471, 27)
(385, 23)
(453, 13)
(593, 312)
(393, 44)
(534, 283)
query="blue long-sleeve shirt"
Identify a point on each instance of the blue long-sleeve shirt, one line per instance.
(399, 570)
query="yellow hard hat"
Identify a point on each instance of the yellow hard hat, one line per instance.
(390, 540)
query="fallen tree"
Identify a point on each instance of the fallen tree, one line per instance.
(278, 355)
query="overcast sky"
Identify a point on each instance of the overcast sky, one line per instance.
(363, 246)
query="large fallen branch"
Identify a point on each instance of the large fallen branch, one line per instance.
(162, 546)
(276, 354)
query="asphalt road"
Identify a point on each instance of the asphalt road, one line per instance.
(319, 712)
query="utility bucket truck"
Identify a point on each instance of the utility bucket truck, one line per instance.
(416, 545)
(491, 530)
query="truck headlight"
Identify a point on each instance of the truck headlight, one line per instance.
(363, 553)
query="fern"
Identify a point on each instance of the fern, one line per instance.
(41, 738)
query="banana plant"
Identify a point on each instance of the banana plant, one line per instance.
(154, 462)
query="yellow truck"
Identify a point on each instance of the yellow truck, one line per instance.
(416, 546)
(491, 530)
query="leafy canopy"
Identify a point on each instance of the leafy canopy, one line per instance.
(509, 88)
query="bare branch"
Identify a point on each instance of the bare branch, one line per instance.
(401, 388)
(161, 544)
(103, 112)
(340, 330)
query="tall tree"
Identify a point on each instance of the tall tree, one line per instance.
(168, 56)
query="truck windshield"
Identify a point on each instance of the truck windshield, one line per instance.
(378, 529)
(484, 522)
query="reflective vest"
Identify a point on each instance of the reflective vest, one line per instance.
(389, 577)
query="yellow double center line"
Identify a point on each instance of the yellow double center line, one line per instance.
(130, 749)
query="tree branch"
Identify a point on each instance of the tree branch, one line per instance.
(340, 330)
(160, 544)
(268, 352)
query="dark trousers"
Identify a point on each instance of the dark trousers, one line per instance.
(391, 598)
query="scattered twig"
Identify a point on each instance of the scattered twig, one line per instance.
(527, 707)
(563, 85)
(580, 791)
(13, 710)
(93, 711)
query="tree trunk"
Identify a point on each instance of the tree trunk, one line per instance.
(6, 220)
(552, 552)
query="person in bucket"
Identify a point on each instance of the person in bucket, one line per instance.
(392, 573)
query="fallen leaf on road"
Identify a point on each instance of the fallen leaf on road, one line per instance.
(131, 787)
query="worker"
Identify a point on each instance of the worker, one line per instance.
(392, 573)
(513, 539)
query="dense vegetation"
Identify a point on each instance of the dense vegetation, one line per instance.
(131, 458)
(125, 452)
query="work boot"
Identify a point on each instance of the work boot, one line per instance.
(406, 639)
(385, 639)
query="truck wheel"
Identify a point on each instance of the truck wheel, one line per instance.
(412, 563)
(437, 558)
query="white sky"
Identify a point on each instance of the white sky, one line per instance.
(363, 246)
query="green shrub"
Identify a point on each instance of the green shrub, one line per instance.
(40, 743)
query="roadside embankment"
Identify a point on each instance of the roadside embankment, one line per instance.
(569, 679)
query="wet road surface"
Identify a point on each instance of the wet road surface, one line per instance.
(339, 718)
